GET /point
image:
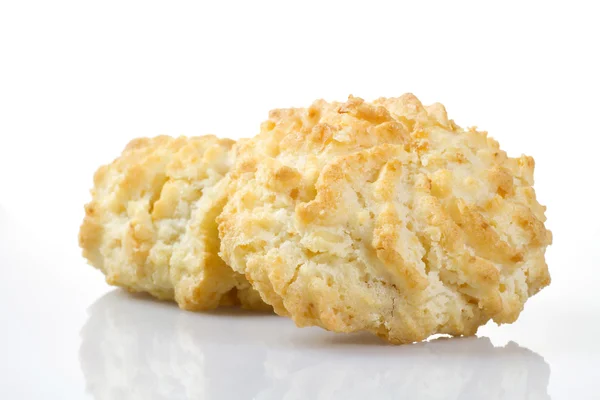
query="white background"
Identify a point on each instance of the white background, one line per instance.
(79, 79)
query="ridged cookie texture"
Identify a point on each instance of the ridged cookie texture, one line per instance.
(385, 217)
(150, 226)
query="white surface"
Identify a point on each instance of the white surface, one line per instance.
(80, 79)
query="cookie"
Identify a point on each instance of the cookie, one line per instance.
(385, 217)
(150, 226)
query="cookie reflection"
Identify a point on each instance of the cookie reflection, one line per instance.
(136, 348)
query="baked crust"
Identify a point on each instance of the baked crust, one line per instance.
(150, 226)
(386, 217)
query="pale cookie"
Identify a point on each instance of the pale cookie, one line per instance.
(150, 226)
(385, 217)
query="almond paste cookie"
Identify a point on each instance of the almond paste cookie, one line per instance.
(150, 226)
(385, 217)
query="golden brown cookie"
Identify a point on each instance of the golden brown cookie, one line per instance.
(386, 217)
(150, 226)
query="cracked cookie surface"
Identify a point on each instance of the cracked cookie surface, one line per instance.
(150, 226)
(386, 217)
